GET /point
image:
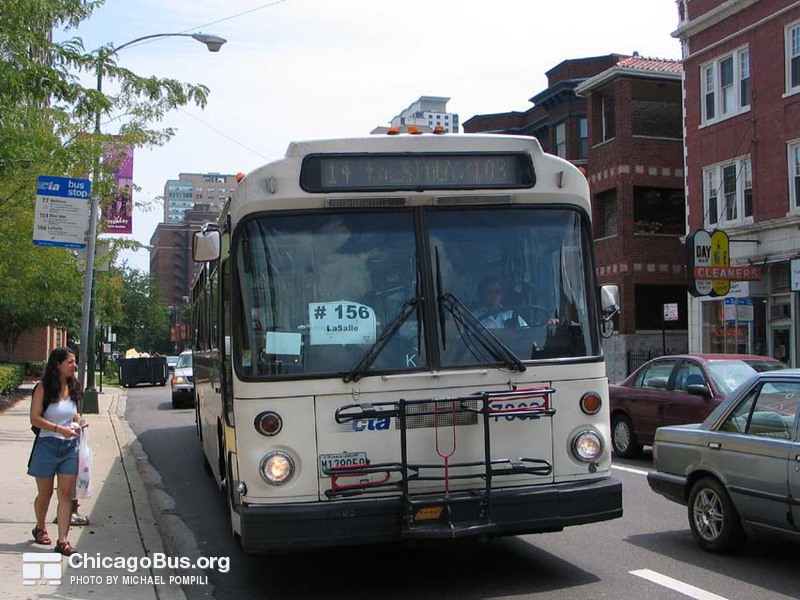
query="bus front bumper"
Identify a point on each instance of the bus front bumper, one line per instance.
(514, 511)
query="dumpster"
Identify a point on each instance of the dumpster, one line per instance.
(151, 369)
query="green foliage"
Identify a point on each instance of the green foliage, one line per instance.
(144, 320)
(50, 125)
(10, 378)
(35, 368)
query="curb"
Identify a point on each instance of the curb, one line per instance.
(135, 465)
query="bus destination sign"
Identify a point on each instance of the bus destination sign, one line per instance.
(416, 172)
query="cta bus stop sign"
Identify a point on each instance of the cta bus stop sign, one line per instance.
(62, 211)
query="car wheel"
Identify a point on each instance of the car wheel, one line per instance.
(623, 439)
(713, 518)
(174, 402)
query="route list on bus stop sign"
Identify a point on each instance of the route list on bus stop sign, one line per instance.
(62, 211)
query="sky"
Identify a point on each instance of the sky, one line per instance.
(315, 69)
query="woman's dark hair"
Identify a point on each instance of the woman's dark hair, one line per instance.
(51, 381)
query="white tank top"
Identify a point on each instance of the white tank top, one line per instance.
(59, 412)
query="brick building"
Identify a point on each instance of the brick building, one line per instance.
(636, 180)
(742, 130)
(619, 117)
(171, 254)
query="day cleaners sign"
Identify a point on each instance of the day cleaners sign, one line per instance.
(62, 211)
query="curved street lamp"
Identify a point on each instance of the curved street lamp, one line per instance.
(213, 43)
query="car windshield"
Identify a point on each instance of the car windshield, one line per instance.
(184, 360)
(730, 374)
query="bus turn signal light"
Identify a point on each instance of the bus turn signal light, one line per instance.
(268, 423)
(591, 403)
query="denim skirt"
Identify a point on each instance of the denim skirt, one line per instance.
(52, 455)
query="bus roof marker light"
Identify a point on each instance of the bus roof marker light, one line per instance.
(414, 130)
(439, 130)
(393, 130)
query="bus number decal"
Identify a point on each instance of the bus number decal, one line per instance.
(512, 405)
(341, 322)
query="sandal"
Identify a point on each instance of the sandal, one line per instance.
(64, 548)
(41, 536)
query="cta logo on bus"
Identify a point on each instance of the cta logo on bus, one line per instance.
(382, 424)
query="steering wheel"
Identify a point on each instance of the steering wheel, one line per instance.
(537, 313)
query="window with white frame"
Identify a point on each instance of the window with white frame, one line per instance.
(793, 58)
(726, 86)
(728, 192)
(794, 175)
(561, 139)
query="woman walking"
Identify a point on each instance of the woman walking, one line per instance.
(55, 412)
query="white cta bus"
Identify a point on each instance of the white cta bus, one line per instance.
(398, 338)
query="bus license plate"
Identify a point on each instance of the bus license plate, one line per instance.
(342, 459)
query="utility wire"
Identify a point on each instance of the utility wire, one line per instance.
(225, 135)
(236, 16)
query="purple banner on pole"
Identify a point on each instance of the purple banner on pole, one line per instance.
(118, 213)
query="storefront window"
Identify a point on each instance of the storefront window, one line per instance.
(734, 325)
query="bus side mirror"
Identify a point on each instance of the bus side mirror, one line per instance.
(609, 307)
(609, 301)
(206, 245)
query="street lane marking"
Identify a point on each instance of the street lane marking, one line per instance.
(675, 585)
(630, 470)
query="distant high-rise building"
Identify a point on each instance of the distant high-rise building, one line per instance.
(189, 201)
(426, 114)
(182, 194)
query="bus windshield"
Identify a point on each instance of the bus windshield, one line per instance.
(350, 293)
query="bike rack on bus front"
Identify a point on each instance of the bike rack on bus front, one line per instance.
(448, 514)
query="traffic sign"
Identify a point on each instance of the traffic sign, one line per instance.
(671, 312)
(62, 211)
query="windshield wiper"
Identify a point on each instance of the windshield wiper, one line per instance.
(470, 327)
(406, 310)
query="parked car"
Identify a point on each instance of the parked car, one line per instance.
(171, 362)
(739, 470)
(183, 381)
(672, 390)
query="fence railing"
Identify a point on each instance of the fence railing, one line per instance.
(636, 358)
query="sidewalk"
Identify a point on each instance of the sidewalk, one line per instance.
(122, 525)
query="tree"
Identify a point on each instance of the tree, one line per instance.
(47, 126)
(143, 320)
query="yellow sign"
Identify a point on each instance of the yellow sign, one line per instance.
(720, 257)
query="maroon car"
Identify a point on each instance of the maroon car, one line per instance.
(673, 390)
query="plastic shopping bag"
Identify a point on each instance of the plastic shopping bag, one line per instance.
(83, 488)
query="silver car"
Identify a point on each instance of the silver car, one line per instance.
(182, 381)
(739, 470)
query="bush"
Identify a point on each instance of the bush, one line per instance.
(35, 368)
(10, 378)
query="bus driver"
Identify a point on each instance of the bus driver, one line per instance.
(492, 314)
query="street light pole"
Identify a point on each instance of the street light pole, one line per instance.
(86, 366)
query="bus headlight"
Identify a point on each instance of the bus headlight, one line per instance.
(587, 446)
(276, 468)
